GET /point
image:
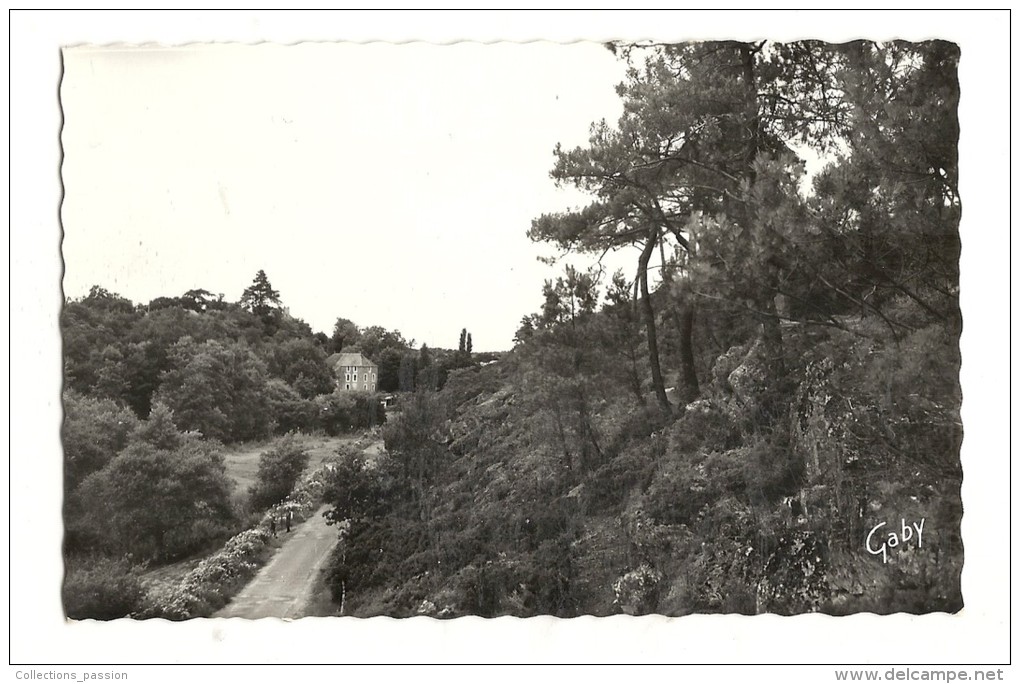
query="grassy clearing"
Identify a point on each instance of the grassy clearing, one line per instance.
(242, 460)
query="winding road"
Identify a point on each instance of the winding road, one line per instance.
(284, 586)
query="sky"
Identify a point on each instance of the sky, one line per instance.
(392, 185)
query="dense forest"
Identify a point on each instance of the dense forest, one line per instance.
(723, 428)
(720, 430)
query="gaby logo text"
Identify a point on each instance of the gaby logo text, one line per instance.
(877, 545)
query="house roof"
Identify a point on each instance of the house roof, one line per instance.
(348, 359)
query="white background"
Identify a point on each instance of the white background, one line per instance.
(38, 634)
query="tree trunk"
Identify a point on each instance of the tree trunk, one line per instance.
(649, 315)
(683, 319)
(687, 369)
(772, 333)
(634, 377)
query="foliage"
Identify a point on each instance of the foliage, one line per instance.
(406, 373)
(279, 470)
(390, 362)
(94, 430)
(99, 588)
(159, 430)
(415, 440)
(345, 335)
(210, 585)
(90, 325)
(352, 487)
(215, 580)
(301, 363)
(345, 411)
(889, 211)
(260, 298)
(563, 370)
(217, 389)
(156, 503)
(290, 411)
(374, 339)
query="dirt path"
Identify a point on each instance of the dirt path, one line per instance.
(283, 586)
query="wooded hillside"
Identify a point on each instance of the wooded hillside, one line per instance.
(727, 429)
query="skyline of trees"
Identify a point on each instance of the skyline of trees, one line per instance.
(225, 369)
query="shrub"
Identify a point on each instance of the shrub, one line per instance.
(100, 589)
(634, 446)
(156, 503)
(278, 473)
(705, 425)
(217, 388)
(290, 410)
(211, 584)
(94, 431)
(637, 592)
(344, 411)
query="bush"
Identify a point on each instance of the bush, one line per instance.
(680, 488)
(291, 412)
(159, 504)
(611, 485)
(637, 592)
(213, 582)
(217, 388)
(279, 470)
(100, 589)
(345, 411)
(94, 431)
(705, 425)
(159, 429)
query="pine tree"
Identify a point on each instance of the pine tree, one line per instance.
(260, 298)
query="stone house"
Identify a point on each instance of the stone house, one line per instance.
(354, 372)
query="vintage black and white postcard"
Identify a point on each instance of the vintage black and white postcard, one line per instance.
(634, 326)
